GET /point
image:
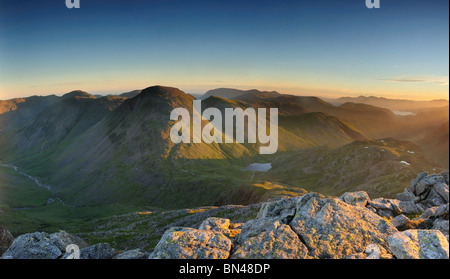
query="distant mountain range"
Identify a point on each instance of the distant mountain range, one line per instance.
(393, 104)
(117, 149)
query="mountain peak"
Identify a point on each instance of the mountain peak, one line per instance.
(78, 94)
(158, 98)
(161, 91)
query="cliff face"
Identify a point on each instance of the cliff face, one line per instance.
(414, 225)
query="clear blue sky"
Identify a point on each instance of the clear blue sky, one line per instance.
(311, 47)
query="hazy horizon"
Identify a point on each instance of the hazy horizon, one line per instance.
(199, 93)
(322, 48)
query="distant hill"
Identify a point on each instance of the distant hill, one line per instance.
(78, 94)
(16, 112)
(131, 94)
(230, 93)
(374, 122)
(393, 104)
(63, 120)
(298, 128)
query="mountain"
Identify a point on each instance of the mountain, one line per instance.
(371, 118)
(393, 104)
(63, 120)
(16, 112)
(107, 155)
(374, 122)
(77, 94)
(284, 107)
(130, 146)
(297, 127)
(315, 129)
(88, 148)
(312, 104)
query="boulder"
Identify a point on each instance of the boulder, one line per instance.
(331, 228)
(400, 221)
(268, 239)
(356, 198)
(188, 243)
(221, 225)
(283, 210)
(386, 207)
(413, 184)
(214, 223)
(409, 207)
(62, 239)
(433, 198)
(405, 196)
(426, 183)
(36, 245)
(419, 244)
(442, 190)
(97, 252)
(381, 203)
(376, 252)
(442, 212)
(436, 212)
(6, 239)
(441, 225)
(135, 254)
(429, 213)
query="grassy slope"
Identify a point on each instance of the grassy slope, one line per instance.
(372, 165)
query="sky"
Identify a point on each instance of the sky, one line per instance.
(328, 48)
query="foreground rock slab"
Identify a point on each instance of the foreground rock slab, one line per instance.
(33, 246)
(419, 244)
(333, 229)
(269, 239)
(189, 243)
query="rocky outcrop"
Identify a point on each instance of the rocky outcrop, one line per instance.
(101, 251)
(414, 225)
(40, 245)
(360, 198)
(221, 225)
(419, 244)
(36, 245)
(62, 239)
(331, 228)
(427, 191)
